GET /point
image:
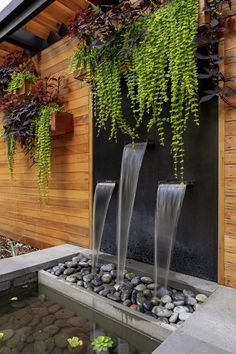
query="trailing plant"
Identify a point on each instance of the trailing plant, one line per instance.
(154, 51)
(18, 120)
(43, 146)
(27, 123)
(14, 63)
(209, 37)
(18, 79)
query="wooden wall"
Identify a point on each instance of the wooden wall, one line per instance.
(66, 217)
(227, 164)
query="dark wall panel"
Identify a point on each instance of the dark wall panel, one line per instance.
(195, 251)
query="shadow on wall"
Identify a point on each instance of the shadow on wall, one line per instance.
(195, 251)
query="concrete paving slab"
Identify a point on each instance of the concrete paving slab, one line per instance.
(13, 267)
(215, 321)
(180, 343)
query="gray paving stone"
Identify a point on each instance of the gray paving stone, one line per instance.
(180, 343)
(215, 321)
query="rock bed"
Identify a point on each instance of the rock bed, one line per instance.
(169, 306)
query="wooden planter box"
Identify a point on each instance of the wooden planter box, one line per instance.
(204, 17)
(81, 76)
(25, 89)
(61, 123)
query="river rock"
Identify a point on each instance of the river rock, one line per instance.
(165, 299)
(8, 333)
(72, 264)
(106, 278)
(126, 294)
(178, 302)
(140, 299)
(80, 283)
(97, 281)
(190, 301)
(104, 292)
(88, 277)
(147, 293)
(69, 271)
(201, 297)
(61, 340)
(39, 347)
(48, 320)
(114, 297)
(146, 280)
(151, 286)
(180, 309)
(51, 330)
(113, 273)
(169, 305)
(83, 263)
(155, 301)
(183, 316)
(129, 275)
(97, 289)
(54, 308)
(133, 307)
(188, 293)
(161, 311)
(178, 296)
(147, 305)
(173, 318)
(140, 287)
(136, 280)
(127, 303)
(108, 267)
(63, 314)
(161, 291)
(134, 296)
(71, 279)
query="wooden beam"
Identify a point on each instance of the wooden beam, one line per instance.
(221, 182)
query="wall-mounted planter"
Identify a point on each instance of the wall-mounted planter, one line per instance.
(80, 75)
(61, 123)
(25, 89)
(204, 17)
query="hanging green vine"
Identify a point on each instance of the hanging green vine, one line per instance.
(11, 148)
(156, 57)
(43, 146)
(18, 79)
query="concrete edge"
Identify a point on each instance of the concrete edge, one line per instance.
(46, 258)
(18, 266)
(116, 311)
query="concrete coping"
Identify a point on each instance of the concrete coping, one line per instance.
(13, 267)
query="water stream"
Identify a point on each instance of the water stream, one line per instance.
(130, 167)
(102, 197)
(168, 207)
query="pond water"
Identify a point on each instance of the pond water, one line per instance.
(40, 324)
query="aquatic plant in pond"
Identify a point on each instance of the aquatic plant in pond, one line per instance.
(102, 343)
(75, 342)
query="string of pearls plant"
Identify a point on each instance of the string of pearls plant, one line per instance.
(156, 57)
